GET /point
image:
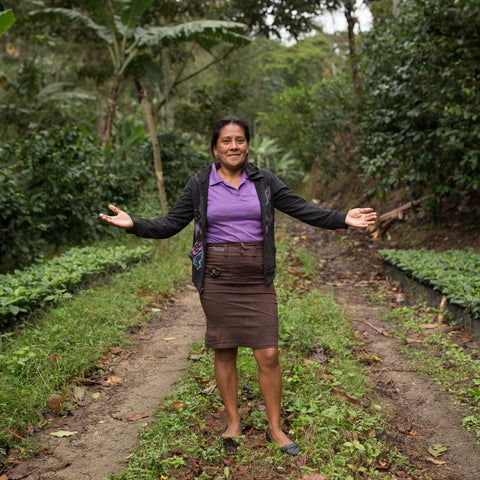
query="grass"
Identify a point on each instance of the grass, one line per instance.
(39, 358)
(442, 356)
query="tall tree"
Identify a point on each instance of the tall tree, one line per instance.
(120, 28)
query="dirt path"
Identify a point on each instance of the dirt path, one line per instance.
(421, 415)
(108, 423)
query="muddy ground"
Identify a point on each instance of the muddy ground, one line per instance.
(113, 406)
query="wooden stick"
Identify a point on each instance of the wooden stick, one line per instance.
(382, 332)
(441, 310)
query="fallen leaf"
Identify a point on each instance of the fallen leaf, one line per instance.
(63, 433)
(145, 337)
(19, 472)
(209, 390)
(437, 462)
(55, 403)
(177, 404)
(137, 416)
(437, 449)
(229, 462)
(381, 465)
(96, 396)
(115, 380)
(300, 461)
(466, 337)
(201, 380)
(130, 418)
(346, 396)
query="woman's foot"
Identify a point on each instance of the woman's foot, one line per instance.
(286, 444)
(232, 431)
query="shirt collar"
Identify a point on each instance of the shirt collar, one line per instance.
(215, 178)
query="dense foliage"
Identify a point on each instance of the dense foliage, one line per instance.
(315, 124)
(52, 188)
(455, 273)
(421, 76)
(52, 279)
(55, 184)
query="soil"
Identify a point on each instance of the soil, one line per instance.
(115, 405)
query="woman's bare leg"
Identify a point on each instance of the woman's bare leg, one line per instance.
(226, 375)
(270, 381)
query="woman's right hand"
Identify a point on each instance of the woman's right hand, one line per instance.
(121, 219)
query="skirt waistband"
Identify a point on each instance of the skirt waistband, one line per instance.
(240, 247)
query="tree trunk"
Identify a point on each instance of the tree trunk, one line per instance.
(396, 7)
(157, 160)
(168, 94)
(351, 21)
(112, 105)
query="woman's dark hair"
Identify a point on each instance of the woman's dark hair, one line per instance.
(227, 121)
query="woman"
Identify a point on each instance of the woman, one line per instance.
(233, 261)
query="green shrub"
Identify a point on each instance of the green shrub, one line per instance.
(52, 188)
(422, 102)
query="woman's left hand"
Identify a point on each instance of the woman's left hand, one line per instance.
(360, 217)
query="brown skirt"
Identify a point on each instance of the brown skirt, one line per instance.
(241, 310)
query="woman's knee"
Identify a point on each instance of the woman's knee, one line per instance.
(226, 356)
(267, 358)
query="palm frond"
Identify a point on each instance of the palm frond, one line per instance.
(56, 92)
(131, 12)
(226, 31)
(72, 15)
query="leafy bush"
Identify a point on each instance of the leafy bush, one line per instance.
(24, 290)
(52, 187)
(314, 123)
(422, 102)
(455, 273)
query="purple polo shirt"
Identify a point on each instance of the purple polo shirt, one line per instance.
(232, 215)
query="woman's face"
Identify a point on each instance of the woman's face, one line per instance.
(232, 147)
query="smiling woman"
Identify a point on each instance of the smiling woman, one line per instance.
(233, 205)
(231, 149)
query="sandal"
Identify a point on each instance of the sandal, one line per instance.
(292, 449)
